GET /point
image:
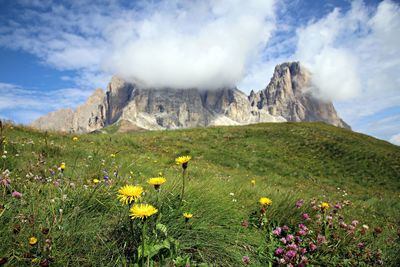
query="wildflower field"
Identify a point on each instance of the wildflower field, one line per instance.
(289, 194)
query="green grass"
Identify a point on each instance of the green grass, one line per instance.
(89, 227)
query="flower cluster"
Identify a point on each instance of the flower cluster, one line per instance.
(322, 233)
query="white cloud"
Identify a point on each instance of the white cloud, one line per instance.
(353, 53)
(395, 139)
(180, 44)
(164, 52)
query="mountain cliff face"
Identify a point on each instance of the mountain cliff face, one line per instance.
(286, 98)
(288, 95)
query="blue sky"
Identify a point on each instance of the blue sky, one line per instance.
(55, 53)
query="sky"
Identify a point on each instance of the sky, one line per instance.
(53, 54)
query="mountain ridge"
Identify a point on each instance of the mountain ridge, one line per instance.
(286, 98)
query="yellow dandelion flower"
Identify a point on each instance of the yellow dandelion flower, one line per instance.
(187, 215)
(182, 160)
(325, 205)
(112, 155)
(75, 138)
(32, 241)
(142, 211)
(253, 182)
(62, 166)
(96, 181)
(157, 181)
(129, 193)
(265, 201)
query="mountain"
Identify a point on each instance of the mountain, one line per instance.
(286, 98)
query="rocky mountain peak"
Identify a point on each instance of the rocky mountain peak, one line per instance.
(286, 98)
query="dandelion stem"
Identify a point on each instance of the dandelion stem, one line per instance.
(183, 184)
(143, 240)
(132, 231)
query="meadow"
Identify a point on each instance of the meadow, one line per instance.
(288, 194)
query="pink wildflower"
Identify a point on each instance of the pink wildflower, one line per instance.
(289, 238)
(246, 260)
(279, 251)
(277, 231)
(16, 195)
(312, 246)
(299, 203)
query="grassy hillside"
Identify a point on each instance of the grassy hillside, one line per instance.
(77, 219)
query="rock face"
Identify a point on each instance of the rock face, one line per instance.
(288, 95)
(286, 98)
(87, 117)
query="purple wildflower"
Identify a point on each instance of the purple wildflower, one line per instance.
(303, 227)
(321, 239)
(285, 228)
(312, 246)
(306, 216)
(16, 195)
(246, 260)
(338, 206)
(343, 225)
(290, 254)
(302, 233)
(5, 181)
(289, 238)
(277, 231)
(292, 247)
(279, 251)
(299, 203)
(283, 240)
